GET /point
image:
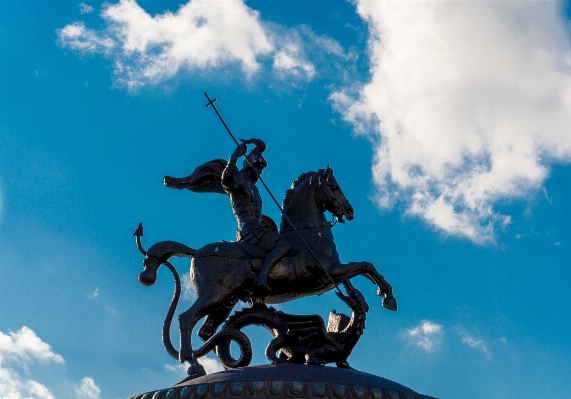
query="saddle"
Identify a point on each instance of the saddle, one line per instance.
(238, 249)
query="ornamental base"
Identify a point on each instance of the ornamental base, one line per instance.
(282, 381)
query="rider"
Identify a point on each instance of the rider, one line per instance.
(246, 202)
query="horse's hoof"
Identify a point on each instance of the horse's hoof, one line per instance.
(315, 361)
(390, 303)
(195, 370)
(344, 365)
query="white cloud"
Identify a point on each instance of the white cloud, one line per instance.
(177, 368)
(427, 335)
(88, 389)
(38, 390)
(301, 54)
(211, 365)
(288, 60)
(201, 34)
(94, 294)
(468, 104)
(85, 9)
(23, 348)
(475, 343)
(77, 37)
(14, 386)
(111, 311)
(188, 291)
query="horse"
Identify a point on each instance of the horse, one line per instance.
(222, 272)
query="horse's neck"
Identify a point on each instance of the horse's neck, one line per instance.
(302, 209)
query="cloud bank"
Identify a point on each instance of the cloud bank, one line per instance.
(201, 35)
(468, 104)
(18, 351)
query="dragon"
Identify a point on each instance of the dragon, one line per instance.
(304, 339)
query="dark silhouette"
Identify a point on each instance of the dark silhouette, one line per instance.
(224, 272)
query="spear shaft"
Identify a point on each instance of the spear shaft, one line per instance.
(284, 215)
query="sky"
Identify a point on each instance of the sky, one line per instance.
(446, 123)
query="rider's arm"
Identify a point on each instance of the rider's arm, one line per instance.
(228, 175)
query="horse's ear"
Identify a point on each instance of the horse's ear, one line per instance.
(327, 172)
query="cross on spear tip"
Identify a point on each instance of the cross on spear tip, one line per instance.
(211, 103)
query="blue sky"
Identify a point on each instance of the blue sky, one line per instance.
(447, 126)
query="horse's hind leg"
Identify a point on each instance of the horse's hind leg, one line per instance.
(203, 306)
(214, 320)
(367, 269)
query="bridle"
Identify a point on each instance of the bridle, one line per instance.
(335, 202)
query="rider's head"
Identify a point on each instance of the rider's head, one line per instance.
(255, 162)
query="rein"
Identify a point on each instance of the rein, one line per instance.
(309, 226)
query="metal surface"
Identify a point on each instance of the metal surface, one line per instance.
(286, 381)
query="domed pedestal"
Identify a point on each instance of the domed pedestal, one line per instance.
(286, 381)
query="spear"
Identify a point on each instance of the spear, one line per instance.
(284, 215)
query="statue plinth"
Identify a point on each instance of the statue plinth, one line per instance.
(286, 381)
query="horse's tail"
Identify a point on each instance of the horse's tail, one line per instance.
(161, 252)
(224, 337)
(165, 249)
(170, 313)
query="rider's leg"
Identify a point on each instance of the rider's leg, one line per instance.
(203, 306)
(280, 250)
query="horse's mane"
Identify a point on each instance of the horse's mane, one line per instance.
(297, 182)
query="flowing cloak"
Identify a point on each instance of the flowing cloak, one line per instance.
(207, 178)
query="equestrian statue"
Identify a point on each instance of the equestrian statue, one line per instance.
(265, 266)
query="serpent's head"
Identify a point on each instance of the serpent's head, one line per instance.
(355, 300)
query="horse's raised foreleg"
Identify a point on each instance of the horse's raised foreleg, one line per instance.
(349, 270)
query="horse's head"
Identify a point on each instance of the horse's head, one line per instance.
(148, 276)
(331, 196)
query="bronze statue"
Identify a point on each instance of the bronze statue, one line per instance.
(264, 266)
